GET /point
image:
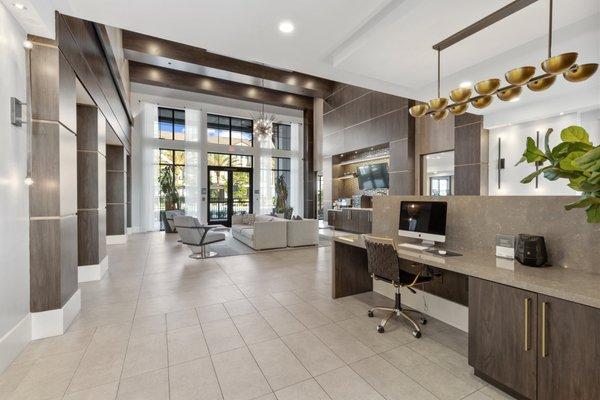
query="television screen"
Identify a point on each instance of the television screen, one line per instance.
(374, 176)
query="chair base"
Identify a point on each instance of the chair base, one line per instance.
(203, 254)
(398, 311)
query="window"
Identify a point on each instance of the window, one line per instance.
(440, 185)
(229, 160)
(280, 166)
(171, 124)
(282, 136)
(172, 163)
(229, 130)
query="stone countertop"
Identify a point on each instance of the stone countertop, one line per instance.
(563, 283)
(351, 208)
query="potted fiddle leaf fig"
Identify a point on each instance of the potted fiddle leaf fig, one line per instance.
(575, 159)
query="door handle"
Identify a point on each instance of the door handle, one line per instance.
(527, 306)
(544, 333)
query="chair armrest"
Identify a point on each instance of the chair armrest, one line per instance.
(270, 234)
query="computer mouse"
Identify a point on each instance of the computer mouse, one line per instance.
(442, 252)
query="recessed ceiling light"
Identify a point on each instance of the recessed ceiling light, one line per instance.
(562, 113)
(20, 6)
(465, 84)
(28, 44)
(286, 27)
(514, 100)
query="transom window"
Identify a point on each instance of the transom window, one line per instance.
(281, 138)
(229, 130)
(229, 160)
(171, 124)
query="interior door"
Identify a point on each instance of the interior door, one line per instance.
(230, 193)
(569, 350)
(502, 335)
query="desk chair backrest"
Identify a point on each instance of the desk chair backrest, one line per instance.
(382, 258)
(190, 230)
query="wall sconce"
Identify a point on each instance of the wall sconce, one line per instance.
(501, 163)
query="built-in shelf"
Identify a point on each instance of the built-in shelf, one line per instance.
(361, 160)
(346, 177)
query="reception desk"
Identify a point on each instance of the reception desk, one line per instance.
(533, 332)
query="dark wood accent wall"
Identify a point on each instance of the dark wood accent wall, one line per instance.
(128, 189)
(81, 47)
(470, 155)
(310, 175)
(91, 190)
(53, 197)
(357, 118)
(116, 200)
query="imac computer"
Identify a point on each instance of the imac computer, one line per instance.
(423, 220)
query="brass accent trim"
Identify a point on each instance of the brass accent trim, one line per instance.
(544, 334)
(527, 304)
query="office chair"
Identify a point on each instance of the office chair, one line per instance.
(196, 236)
(384, 265)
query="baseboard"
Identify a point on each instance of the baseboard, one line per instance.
(14, 341)
(116, 239)
(55, 322)
(88, 273)
(439, 308)
(133, 229)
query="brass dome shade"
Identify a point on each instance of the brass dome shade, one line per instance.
(419, 110)
(482, 102)
(519, 76)
(541, 84)
(438, 104)
(488, 86)
(459, 95)
(438, 115)
(578, 73)
(458, 109)
(509, 94)
(560, 63)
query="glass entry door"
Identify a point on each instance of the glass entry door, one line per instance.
(230, 193)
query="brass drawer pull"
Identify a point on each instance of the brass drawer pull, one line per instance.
(544, 338)
(527, 304)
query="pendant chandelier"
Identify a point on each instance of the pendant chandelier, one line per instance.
(564, 64)
(263, 123)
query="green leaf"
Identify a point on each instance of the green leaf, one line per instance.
(575, 183)
(590, 161)
(532, 153)
(553, 173)
(582, 203)
(567, 162)
(593, 214)
(531, 176)
(547, 150)
(575, 134)
(563, 149)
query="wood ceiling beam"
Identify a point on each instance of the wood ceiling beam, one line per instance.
(155, 50)
(174, 79)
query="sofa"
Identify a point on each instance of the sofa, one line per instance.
(270, 232)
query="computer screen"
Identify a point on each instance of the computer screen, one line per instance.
(428, 217)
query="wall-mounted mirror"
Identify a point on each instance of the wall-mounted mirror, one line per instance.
(437, 174)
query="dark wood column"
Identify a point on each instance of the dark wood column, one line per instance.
(128, 189)
(470, 155)
(310, 175)
(53, 196)
(91, 193)
(116, 196)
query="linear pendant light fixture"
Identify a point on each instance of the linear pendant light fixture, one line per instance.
(517, 78)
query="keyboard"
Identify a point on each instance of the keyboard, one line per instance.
(413, 246)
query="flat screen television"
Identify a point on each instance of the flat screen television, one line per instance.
(373, 176)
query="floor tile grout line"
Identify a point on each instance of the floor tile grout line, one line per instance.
(79, 363)
(210, 355)
(168, 358)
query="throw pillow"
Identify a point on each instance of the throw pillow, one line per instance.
(251, 219)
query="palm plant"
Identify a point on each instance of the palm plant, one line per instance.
(168, 189)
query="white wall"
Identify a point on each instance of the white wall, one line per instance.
(14, 196)
(513, 144)
(206, 104)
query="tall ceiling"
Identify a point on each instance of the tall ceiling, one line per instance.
(384, 45)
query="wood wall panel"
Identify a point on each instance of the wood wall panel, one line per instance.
(115, 188)
(68, 258)
(102, 233)
(44, 196)
(405, 159)
(115, 219)
(470, 155)
(468, 149)
(402, 183)
(88, 237)
(310, 176)
(466, 179)
(44, 264)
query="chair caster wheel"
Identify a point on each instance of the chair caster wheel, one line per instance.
(416, 334)
(423, 321)
(380, 329)
(370, 314)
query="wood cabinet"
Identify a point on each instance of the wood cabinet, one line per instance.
(569, 350)
(352, 220)
(502, 331)
(331, 217)
(531, 345)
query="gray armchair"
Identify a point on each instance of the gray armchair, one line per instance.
(196, 236)
(170, 214)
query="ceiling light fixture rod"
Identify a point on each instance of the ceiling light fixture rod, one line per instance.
(550, 32)
(439, 52)
(483, 23)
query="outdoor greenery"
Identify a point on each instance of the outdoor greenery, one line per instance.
(281, 199)
(575, 159)
(168, 189)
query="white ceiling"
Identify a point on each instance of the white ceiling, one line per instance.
(384, 45)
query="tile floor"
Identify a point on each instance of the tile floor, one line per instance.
(260, 326)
